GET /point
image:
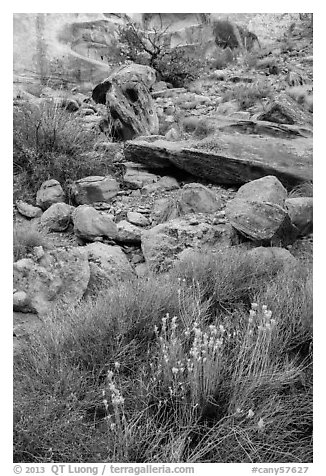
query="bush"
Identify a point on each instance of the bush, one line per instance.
(174, 368)
(25, 238)
(247, 95)
(49, 142)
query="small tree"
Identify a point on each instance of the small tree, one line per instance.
(152, 47)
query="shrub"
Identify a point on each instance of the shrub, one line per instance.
(25, 238)
(247, 95)
(174, 368)
(49, 142)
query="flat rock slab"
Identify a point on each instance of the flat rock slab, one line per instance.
(230, 158)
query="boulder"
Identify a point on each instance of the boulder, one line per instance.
(128, 233)
(300, 210)
(129, 102)
(192, 198)
(91, 225)
(60, 276)
(162, 244)
(28, 210)
(136, 176)
(108, 265)
(137, 219)
(258, 212)
(164, 183)
(57, 217)
(276, 257)
(285, 110)
(229, 157)
(49, 193)
(95, 189)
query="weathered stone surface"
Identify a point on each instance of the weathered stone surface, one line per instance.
(192, 198)
(57, 217)
(285, 110)
(136, 176)
(258, 212)
(90, 224)
(129, 102)
(49, 193)
(300, 210)
(162, 244)
(60, 276)
(273, 257)
(95, 189)
(137, 219)
(164, 183)
(232, 158)
(128, 233)
(108, 265)
(28, 210)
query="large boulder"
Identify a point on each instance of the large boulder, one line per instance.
(229, 157)
(162, 244)
(129, 102)
(50, 192)
(300, 210)
(92, 225)
(192, 198)
(258, 212)
(95, 189)
(59, 276)
(57, 217)
(285, 110)
(28, 210)
(108, 265)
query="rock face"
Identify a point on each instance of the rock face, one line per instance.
(28, 210)
(162, 244)
(192, 198)
(233, 159)
(95, 189)
(300, 210)
(108, 265)
(57, 217)
(49, 193)
(91, 225)
(60, 276)
(129, 102)
(258, 212)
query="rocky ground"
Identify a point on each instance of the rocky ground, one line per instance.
(166, 197)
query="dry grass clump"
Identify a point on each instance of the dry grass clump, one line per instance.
(247, 95)
(199, 127)
(25, 238)
(302, 190)
(199, 365)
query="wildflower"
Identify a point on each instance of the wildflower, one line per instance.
(117, 365)
(174, 370)
(261, 424)
(252, 313)
(273, 322)
(222, 328)
(110, 374)
(250, 414)
(254, 306)
(112, 426)
(264, 307)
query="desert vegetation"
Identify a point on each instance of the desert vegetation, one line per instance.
(209, 364)
(170, 326)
